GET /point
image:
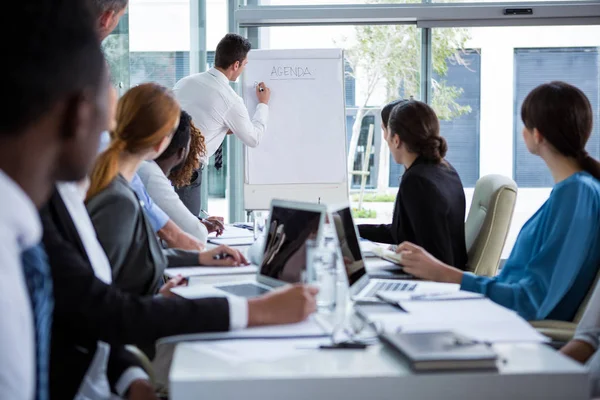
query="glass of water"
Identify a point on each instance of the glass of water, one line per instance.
(321, 271)
(259, 219)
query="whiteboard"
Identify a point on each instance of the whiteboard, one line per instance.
(302, 155)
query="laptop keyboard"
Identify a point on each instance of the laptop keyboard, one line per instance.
(391, 287)
(244, 290)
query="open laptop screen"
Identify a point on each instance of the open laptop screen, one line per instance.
(346, 232)
(284, 257)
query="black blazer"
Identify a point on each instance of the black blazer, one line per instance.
(87, 310)
(429, 212)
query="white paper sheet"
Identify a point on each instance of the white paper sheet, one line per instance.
(299, 118)
(233, 232)
(238, 352)
(480, 319)
(210, 271)
(425, 288)
(232, 241)
(310, 328)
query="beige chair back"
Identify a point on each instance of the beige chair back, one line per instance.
(488, 222)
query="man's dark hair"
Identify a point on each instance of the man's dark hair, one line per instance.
(230, 49)
(56, 57)
(102, 6)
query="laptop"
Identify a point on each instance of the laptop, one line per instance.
(363, 288)
(290, 225)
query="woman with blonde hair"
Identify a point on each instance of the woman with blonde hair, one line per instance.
(147, 117)
(174, 169)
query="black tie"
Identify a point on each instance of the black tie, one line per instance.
(219, 157)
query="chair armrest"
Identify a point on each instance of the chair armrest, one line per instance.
(559, 331)
(144, 360)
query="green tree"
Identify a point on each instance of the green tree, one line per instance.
(388, 58)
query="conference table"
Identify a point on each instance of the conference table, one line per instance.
(297, 369)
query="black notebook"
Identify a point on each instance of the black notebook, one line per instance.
(441, 351)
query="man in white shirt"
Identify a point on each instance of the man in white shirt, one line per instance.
(217, 110)
(55, 91)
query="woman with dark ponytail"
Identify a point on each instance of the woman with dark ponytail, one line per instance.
(430, 205)
(557, 253)
(147, 117)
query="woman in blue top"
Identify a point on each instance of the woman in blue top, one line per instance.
(557, 253)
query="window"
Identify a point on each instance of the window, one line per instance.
(578, 66)
(456, 99)
(165, 68)
(459, 123)
(508, 63)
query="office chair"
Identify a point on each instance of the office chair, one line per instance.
(488, 223)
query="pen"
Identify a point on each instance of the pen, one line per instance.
(343, 345)
(207, 215)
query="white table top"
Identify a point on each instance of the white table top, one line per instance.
(293, 371)
(528, 371)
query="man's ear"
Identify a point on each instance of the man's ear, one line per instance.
(236, 65)
(78, 111)
(106, 19)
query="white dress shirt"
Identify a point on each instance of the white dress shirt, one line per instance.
(163, 194)
(95, 385)
(20, 228)
(216, 108)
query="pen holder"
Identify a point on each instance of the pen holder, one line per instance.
(321, 271)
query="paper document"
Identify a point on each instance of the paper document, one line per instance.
(233, 241)
(480, 319)
(233, 232)
(201, 291)
(210, 271)
(311, 328)
(431, 291)
(238, 352)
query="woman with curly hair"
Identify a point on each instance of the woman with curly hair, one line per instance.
(173, 169)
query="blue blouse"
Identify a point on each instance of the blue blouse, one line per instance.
(555, 258)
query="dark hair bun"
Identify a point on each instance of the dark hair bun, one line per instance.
(434, 148)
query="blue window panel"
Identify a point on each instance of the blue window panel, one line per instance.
(577, 66)
(461, 133)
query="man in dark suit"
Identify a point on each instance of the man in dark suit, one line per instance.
(88, 310)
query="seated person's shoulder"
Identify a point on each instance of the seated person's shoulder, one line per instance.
(582, 189)
(116, 196)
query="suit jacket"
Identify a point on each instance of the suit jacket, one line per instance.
(136, 257)
(429, 211)
(87, 310)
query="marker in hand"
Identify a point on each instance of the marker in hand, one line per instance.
(222, 256)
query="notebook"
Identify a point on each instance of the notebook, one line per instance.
(441, 351)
